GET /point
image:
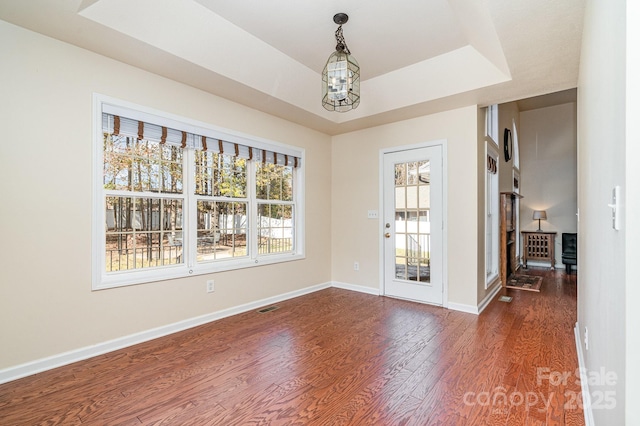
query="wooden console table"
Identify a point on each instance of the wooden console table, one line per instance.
(539, 246)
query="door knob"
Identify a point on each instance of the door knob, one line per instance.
(387, 235)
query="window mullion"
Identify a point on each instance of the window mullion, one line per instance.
(189, 230)
(146, 194)
(278, 202)
(252, 211)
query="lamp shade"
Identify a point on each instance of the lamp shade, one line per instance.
(539, 214)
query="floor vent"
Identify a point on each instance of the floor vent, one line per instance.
(507, 299)
(269, 309)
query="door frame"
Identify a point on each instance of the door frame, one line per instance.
(381, 230)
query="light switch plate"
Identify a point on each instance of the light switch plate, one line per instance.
(372, 214)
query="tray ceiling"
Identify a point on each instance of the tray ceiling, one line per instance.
(416, 57)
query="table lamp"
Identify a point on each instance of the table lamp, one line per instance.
(539, 215)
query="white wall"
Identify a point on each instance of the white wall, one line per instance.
(548, 170)
(46, 303)
(601, 166)
(355, 189)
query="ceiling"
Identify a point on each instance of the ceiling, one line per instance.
(551, 99)
(416, 57)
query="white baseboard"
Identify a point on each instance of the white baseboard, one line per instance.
(354, 287)
(461, 307)
(538, 264)
(451, 305)
(40, 365)
(476, 310)
(584, 380)
(489, 297)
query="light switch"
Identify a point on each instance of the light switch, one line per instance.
(372, 214)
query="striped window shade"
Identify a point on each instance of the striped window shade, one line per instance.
(245, 148)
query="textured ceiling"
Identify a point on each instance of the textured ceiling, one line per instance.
(416, 57)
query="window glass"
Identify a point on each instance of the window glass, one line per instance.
(142, 232)
(275, 228)
(140, 165)
(222, 230)
(220, 175)
(274, 182)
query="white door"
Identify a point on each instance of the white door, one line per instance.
(412, 225)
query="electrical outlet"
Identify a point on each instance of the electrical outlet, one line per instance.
(210, 287)
(356, 266)
(586, 338)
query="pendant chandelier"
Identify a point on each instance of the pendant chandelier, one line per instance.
(341, 75)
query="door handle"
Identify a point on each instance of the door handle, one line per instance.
(387, 235)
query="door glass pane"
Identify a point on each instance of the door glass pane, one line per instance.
(400, 198)
(412, 197)
(412, 225)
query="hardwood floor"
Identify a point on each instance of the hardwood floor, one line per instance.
(334, 357)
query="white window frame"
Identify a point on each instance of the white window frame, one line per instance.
(492, 217)
(516, 146)
(190, 267)
(491, 122)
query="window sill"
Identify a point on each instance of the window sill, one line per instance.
(182, 271)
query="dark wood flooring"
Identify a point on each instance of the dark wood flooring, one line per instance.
(334, 357)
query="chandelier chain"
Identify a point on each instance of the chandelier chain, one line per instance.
(342, 44)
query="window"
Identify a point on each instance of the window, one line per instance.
(222, 205)
(492, 205)
(274, 193)
(516, 148)
(176, 198)
(491, 124)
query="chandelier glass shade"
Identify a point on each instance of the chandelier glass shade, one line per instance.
(341, 75)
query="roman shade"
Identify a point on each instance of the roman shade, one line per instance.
(134, 128)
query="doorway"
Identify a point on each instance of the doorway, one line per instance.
(413, 224)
